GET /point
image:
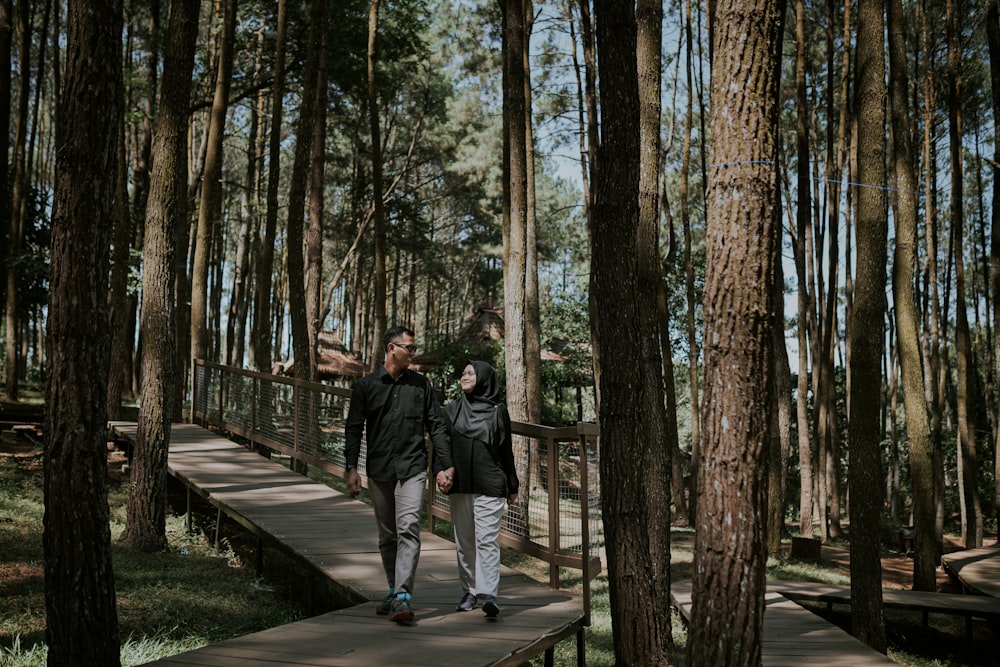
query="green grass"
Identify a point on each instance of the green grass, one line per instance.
(168, 602)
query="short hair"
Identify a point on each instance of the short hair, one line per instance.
(395, 332)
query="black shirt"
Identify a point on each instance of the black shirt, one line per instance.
(393, 416)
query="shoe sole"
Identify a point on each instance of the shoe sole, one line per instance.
(402, 617)
(491, 610)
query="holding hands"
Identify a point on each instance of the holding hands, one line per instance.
(444, 479)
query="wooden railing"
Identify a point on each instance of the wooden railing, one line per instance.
(557, 516)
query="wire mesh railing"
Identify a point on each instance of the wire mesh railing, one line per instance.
(556, 518)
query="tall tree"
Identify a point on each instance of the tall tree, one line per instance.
(518, 215)
(261, 336)
(6, 44)
(743, 241)
(993, 40)
(866, 328)
(377, 355)
(689, 265)
(81, 618)
(316, 196)
(631, 397)
(19, 188)
(298, 186)
(649, 276)
(904, 276)
(211, 185)
(802, 216)
(145, 524)
(972, 522)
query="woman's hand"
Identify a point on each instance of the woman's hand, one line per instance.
(511, 499)
(444, 480)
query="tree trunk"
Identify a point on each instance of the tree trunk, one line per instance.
(516, 203)
(801, 226)
(6, 44)
(118, 305)
(904, 277)
(265, 263)
(80, 606)
(972, 525)
(314, 232)
(145, 526)
(780, 444)
(377, 355)
(866, 332)
(241, 286)
(993, 39)
(741, 251)
(692, 305)
(211, 186)
(18, 194)
(297, 195)
(631, 386)
(655, 462)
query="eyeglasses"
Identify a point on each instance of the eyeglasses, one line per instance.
(411, 348)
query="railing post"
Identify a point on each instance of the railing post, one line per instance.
(554, 539)
(584, 521)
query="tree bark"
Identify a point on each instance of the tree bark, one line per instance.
(802, 216)
(742, 215)
(211, 186)
(655, 463)
(19, 188)
(80, 606)
(972, 524)
(145, 525)
(904, 277)
(263, 283)
(866, 324)
(689, 277)
(993, 40)
(631, 385)
(377, 355)
(297, 195)
(6, 44)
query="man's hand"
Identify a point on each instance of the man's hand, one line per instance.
(444, 480)
(353, 480)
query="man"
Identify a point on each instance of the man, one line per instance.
(392, 407)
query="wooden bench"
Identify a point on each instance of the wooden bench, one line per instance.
(969, 606)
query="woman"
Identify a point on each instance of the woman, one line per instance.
(484, 480)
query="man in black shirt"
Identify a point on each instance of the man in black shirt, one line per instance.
(392, 407)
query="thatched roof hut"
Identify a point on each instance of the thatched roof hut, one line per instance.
(335, 361)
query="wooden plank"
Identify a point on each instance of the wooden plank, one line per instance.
(793, 636)
(923, 601)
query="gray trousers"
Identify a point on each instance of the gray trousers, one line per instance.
(476, 519)
(397, 514)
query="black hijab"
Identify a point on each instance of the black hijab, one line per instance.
(472, 414)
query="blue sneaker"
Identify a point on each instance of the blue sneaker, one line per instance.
(401, 612)
(490, 608)
(468, 603)
(385, 606)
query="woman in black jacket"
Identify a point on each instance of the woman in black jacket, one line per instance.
(485, 479)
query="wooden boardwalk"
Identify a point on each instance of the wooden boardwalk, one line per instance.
(978, 570)
(335, 534)
(969, 606)
(794, 636)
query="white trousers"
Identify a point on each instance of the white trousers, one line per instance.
(476, 519)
